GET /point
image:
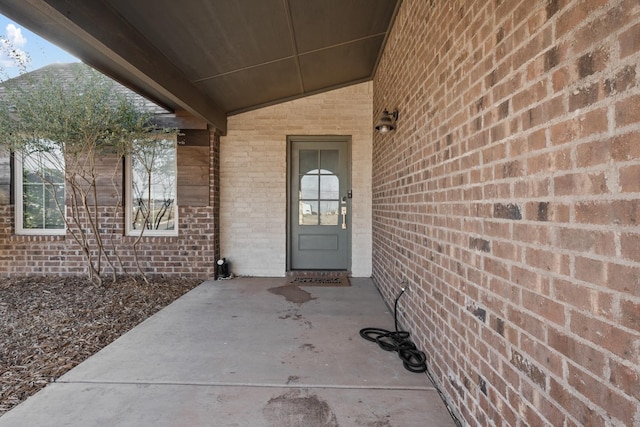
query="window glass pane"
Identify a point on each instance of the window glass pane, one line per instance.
(138, 214)
(43, 198)
(161, 214)
(329, 187)
(309, 187)
(329, 161)
(308, 161)
(153, 183)
(32, 202)
(53, 215)
(53, 176)
(329, 213)
(31, 176)
(319, 187)
(308, 213)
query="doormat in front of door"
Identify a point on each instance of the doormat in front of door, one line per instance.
(319, 281)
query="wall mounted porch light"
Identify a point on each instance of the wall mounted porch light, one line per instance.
(387, 122)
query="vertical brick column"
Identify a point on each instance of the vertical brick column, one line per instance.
(214, 195)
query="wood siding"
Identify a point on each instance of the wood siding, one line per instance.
(193, 168)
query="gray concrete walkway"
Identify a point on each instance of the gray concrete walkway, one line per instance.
(245, 352)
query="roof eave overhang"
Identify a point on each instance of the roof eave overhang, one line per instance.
(86, 30)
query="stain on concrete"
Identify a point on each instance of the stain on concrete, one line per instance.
(294, 314)
(383, 423)
(308, 347)
(299, 409)
(291, 315)
(293, 379)
(292, 294)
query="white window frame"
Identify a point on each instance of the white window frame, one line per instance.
(129, 230)
(19, 205)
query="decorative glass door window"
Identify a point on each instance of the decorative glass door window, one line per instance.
(319, 199)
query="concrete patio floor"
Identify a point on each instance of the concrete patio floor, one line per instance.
(245, 352)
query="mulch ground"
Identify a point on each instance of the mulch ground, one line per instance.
(48, 325)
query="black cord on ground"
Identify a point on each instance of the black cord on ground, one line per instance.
(413, 359)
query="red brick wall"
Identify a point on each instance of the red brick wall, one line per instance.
(508, 200)
(192, 253)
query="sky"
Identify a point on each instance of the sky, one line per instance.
(26, 45)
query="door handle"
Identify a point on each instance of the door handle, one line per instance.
(344, 217)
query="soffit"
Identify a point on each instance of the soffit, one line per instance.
(214, 58)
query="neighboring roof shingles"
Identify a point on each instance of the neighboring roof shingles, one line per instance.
(67, 73)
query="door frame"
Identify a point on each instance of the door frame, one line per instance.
(347, 139)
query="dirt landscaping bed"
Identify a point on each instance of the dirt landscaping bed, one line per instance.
(51, 324)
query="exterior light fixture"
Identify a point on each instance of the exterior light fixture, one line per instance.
(387, 122)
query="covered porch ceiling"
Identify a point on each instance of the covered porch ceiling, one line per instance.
(207, 59)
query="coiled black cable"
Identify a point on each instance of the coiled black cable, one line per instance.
(413, 359)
